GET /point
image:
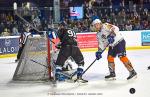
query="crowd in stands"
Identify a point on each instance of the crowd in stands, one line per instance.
(126, 15)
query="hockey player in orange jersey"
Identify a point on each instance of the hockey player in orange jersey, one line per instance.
(109, 34)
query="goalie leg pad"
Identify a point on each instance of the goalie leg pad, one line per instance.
(58, 74)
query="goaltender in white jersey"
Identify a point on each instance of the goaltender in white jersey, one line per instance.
(108, 34)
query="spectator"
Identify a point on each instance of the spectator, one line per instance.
(1, 27)
(128, 26)
(15, 30)
(117, 12)
(5, 32)
(146, 25)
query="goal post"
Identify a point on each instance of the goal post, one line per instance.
(35, 60)
(49, 47)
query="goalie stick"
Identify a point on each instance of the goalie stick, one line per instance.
(39, 63)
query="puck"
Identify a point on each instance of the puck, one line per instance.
(132, 90)
(148, 67)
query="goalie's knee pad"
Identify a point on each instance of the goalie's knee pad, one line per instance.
(110, 59)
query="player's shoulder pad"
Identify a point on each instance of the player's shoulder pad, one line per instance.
(108, 26)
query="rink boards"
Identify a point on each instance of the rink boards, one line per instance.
(135, 40)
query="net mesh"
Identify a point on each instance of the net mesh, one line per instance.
(32, 65)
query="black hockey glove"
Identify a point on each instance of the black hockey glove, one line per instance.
(58, 46)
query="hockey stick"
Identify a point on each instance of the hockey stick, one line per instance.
(93, 61)
(39, 63)
(30, 25)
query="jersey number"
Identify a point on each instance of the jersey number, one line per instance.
(71, 33)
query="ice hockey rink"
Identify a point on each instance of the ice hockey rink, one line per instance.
(96, 87)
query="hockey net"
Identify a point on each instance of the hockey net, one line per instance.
(35, 60)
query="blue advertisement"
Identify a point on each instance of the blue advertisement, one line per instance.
(145, 38)
(9, 45)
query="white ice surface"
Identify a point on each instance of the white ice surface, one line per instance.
(96, 87)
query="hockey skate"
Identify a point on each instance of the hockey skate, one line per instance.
(79, 76)
(132, 75)
(16, 60)
(111, 76)
(81, 80)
